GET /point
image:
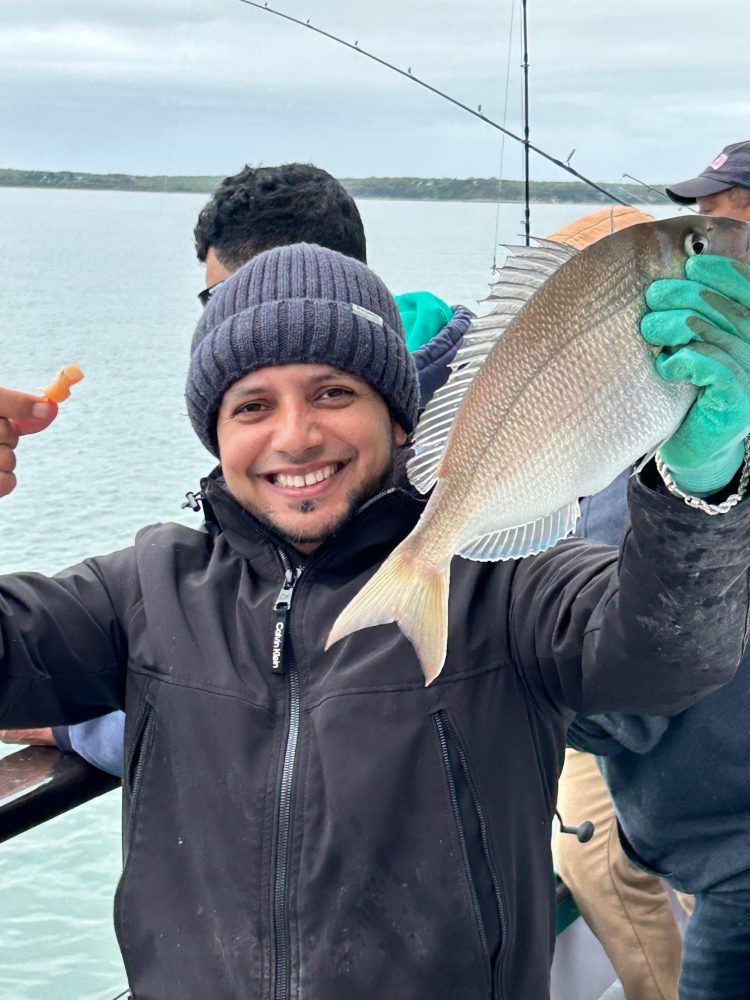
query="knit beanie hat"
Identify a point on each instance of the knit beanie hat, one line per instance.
(295, 304)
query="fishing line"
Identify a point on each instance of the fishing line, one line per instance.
(502, 142)
(526, 144)
(355, 47)
(646, 203)
(626, 192)
(522, 149)
(180, 102)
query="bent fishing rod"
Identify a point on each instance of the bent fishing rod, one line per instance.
(355, 47)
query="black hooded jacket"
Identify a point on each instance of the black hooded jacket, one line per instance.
(312, 825)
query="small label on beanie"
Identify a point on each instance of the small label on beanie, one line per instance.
(366, 314)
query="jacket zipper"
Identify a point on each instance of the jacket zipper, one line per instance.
(445, 733)
(141, 748)
(440, 723)
(485, 839)
(132, 778)
(282, 664)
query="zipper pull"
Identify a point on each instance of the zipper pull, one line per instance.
(193, 501)
(281, 607)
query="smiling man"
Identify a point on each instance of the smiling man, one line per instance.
(314, 430)
(336, 831)
(323, 443)
(255, 210)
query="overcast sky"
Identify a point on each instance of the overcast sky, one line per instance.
(650, 87)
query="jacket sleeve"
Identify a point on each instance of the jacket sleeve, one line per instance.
(606, 735)
(647, 632)
(433, 358)
(63, 648)
(99, 741)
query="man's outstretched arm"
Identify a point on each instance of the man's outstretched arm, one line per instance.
(62, 648)
(652, 631)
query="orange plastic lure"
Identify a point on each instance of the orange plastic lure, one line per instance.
(59, 388)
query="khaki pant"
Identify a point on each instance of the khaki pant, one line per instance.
(627, 910)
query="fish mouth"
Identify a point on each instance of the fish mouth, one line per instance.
(305, 481)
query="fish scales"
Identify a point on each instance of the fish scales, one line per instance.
(554, 394)
(591, 370)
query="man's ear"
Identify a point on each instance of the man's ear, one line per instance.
(400, 437)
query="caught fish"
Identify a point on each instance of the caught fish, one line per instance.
(552, 395)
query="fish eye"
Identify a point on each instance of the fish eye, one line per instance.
(696, 243)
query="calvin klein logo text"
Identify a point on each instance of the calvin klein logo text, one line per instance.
(278, 639)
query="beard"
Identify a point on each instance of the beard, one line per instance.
(337, 522)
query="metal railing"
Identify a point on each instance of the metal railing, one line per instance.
(38, 783)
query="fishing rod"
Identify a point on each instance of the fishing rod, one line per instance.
(477, 113)
(661, 194)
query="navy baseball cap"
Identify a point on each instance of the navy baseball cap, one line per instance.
(731, 168)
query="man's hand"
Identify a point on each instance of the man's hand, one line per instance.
(28, 737)
(20, 413)
(703, 323)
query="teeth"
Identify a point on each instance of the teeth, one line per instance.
(287, 481)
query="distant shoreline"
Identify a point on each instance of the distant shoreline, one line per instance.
(484, 189)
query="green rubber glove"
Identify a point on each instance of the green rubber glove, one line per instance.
(703, 322)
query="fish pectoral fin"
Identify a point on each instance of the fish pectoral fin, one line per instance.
(525, 539)
(645, 460)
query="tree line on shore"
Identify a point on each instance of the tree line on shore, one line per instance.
(408, 188)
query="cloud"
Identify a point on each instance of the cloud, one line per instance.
(194, 86)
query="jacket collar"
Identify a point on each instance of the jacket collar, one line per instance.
(377, 527)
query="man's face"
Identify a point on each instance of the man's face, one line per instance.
(723, 204)
(215, 270)
(303, 446)
(216, 273)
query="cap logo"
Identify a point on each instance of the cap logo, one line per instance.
(366, 314)
(720, 160)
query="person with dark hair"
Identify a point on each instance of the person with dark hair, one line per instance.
(336, 830)
(255, 210)
(264, 207)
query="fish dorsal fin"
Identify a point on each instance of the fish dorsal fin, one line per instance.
(524, 273)
(526, 270)
(553, 245)
(524, 540)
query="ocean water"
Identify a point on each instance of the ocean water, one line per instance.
(108, 280)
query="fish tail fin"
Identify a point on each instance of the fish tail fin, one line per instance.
(414, 594)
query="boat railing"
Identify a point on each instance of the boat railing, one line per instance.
(38, 783)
